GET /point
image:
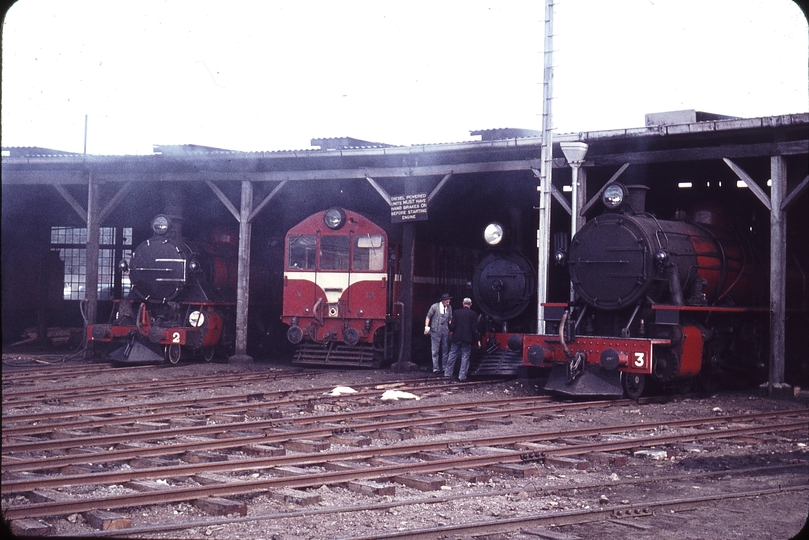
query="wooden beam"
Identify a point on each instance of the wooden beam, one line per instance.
(224, 198)
(796, 193)
(561, 199)
(750, 183)
(379, 189)
(266, 200)
(72, 202)
(114, 202)
(437, 188)
(597, 196)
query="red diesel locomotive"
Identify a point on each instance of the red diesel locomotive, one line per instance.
(342, 297)
(182, 299)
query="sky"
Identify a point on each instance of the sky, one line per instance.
(272, 75)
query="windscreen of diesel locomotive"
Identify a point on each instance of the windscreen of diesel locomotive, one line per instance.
(334, 252)
(301, 252)
(369, 253)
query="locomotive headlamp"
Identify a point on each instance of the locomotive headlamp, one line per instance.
(613, 196)
(661, 256)
(196, 319)
(493, 233)
(123, 266)
(193, 265)
(560, 257)
(335, 218)
(160, 225)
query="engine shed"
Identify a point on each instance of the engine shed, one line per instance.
(68, 218)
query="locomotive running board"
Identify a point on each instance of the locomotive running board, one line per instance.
(595, 381)
(309, 353)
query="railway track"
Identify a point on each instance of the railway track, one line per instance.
(236, 454)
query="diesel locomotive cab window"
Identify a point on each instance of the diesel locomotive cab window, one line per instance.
(301, 252)
(369, 252)
(334, 252)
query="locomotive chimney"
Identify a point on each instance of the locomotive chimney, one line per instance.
(637, 198)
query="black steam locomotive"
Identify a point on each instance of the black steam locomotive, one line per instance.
(182, 300)
(668, 302)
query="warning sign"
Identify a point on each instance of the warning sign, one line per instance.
(408, 208)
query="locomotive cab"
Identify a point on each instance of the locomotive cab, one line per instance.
(335, 287)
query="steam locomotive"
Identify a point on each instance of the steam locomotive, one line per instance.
(182, 299)
(342, 288)
(664, 302)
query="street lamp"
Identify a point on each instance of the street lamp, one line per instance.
(574, 153)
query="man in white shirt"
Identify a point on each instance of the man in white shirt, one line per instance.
(437, 326)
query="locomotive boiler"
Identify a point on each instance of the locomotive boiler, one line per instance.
(342, 288)
(181, 302)
(662, 301)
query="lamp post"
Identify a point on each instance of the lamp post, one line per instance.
(574, 153)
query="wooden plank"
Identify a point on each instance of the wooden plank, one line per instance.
(295, 496)
(422, 483)
(305, 445)
(217, 506)
(371, 488)
(30, 527)
(263, 450)
(107, 521)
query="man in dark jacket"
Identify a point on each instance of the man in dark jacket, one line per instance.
(464, 326)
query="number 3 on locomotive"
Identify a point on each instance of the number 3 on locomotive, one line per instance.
(640, 359)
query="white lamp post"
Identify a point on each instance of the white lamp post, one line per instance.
(574, 153)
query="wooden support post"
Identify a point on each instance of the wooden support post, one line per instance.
(91, 277)
(778, 265)
(404, 363)
(243, 285)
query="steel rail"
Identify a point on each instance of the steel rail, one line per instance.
(319, 458)
(318, 394)
(216, 429)
(321, 430)
(377, 472)
(113, 389)
(155, 411)
(309, 513)
(573, 517)
(28, 374)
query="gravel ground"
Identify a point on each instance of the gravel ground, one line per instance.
(769, 517)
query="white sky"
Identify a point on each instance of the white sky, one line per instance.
(272, 75)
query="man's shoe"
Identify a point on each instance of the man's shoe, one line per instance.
(462, 380)
(436, 371)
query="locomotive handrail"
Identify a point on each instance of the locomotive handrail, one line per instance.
(562, 324)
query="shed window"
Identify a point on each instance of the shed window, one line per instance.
(70, 243)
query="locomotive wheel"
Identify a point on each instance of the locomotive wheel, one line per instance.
(173, 353)
(633, 384)
(208, 354)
